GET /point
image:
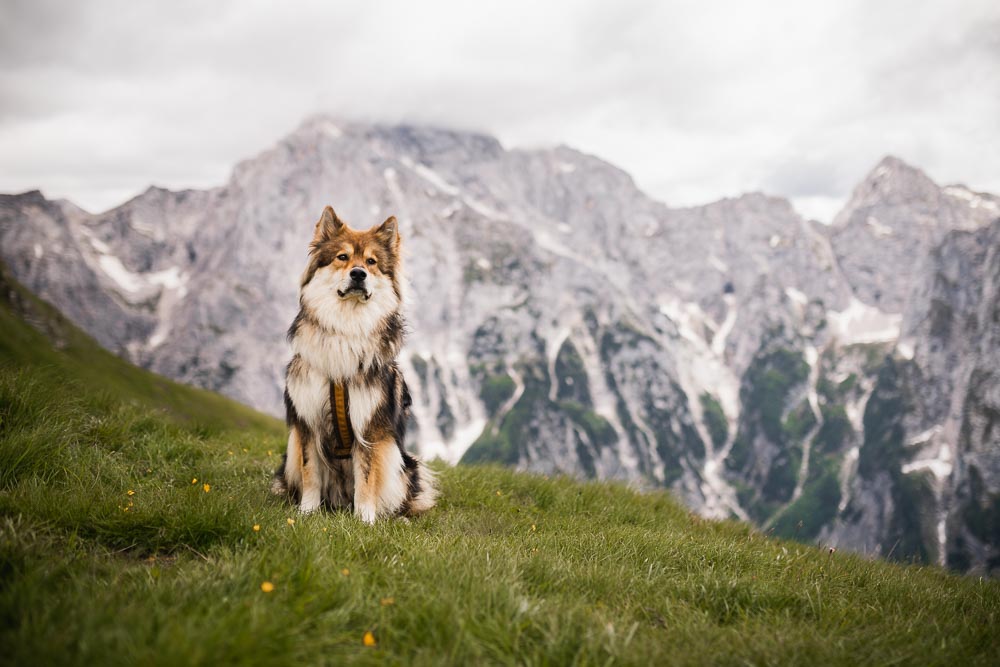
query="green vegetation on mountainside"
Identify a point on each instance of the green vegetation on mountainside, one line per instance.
(766, 387)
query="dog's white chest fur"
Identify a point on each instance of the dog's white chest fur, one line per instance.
(323, 358)
(336, 356)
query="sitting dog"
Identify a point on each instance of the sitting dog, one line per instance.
(345, 398)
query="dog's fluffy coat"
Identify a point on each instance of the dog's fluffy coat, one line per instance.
(349, 332)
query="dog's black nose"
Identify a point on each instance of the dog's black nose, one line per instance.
(358, 274)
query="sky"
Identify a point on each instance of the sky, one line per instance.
(696, 100)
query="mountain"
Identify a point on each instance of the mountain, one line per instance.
(830, 383)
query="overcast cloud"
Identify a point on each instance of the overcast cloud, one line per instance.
(697, 100)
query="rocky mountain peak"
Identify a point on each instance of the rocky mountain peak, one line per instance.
(892, 220)
(30, 197)
(891, 182)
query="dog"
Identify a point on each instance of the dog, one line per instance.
(346, 401)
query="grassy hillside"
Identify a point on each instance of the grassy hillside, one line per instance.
(135, 528)
(53, 347)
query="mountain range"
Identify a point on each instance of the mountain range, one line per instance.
(836, 383)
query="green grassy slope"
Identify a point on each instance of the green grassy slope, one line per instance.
(60, 351)
(111, 553)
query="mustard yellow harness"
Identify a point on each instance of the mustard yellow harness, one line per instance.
(341, 421)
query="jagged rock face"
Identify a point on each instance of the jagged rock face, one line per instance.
(956, 347)
(561, 321)
(47, 247)
(928, 483)
(891, 223)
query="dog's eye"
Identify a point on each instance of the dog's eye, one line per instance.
(371, 261)
(342, 257)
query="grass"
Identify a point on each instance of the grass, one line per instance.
(113, 551)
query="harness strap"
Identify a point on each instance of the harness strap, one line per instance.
(341, 421)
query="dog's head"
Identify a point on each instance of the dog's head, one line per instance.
(353, 272)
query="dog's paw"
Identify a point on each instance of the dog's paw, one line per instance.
(309, 506)
(366, 513)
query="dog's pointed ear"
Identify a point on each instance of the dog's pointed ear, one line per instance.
(328, 226)
(388, 232)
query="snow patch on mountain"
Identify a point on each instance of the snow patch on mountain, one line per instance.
(128, 282)
(861, 323)
(974, 199)
(881, 231)
(719, 339)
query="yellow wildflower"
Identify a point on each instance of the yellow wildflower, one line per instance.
(291, 521)
(345, 572)
(533, 528)
(369, 639)
(385, 602)
(131, 492)
(267, 587)
(194, 481)
(256, 528)
(207, 487)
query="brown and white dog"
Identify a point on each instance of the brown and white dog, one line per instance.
(345, 398)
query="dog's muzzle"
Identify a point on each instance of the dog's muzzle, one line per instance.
(357, 287)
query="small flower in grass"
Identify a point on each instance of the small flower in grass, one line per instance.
(270, 453)
(499, 494)
(131, 492)
(291, 521)
(207, 487)
(387, 602)
(369, 639)
(194, 480)
(256, 528)
(534, 527)
(345, 572)
(267, 587)
(230, 452)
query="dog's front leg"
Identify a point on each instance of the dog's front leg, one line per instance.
(365, 501)
(311, 482)
(379, 484)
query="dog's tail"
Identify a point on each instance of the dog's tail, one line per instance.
(422, 491)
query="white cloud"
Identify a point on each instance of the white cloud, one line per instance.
(698, 100)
